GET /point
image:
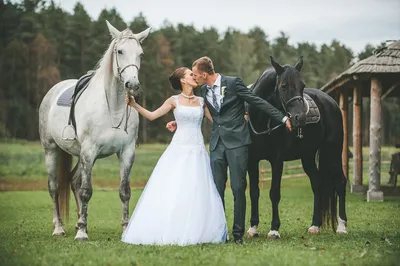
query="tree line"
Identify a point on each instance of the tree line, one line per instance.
(42, 44)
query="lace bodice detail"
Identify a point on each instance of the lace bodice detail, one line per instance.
(188, 120)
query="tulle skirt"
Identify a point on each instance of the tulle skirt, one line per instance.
(180, 204)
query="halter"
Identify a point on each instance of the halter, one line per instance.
(284, 106)
(283, 103)
(127, 112)
(119, 70)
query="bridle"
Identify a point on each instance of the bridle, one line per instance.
(120, 70)
(284, 104)
(282, 101)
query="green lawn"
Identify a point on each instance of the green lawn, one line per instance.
(373, 238)
(23, 161)
(26, 227)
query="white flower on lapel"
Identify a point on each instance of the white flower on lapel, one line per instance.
(223, 90)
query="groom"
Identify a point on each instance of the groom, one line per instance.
(230, 137)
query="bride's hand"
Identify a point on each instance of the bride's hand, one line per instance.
(171, 126)
(130, 100)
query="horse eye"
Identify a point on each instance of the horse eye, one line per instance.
(119, 51)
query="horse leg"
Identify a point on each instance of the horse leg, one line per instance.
(275, 196)
(341, 191)
(310, 168)
(75, 186)
(87, 160)
(51, 160)
(253, 172)
(126, 159)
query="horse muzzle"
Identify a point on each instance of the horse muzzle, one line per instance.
(133, 88)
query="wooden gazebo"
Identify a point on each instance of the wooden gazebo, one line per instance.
(377, 77)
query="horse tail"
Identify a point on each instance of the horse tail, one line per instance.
(328, 165)
(64, 183)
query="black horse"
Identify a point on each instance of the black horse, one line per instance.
(320, 138)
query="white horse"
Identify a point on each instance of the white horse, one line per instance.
(100, 111)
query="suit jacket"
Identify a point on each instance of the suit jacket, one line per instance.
(229, 123)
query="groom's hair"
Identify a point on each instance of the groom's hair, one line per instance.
(204, 64)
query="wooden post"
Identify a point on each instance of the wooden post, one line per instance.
(357, 186)
(344, 102)
(374, 193)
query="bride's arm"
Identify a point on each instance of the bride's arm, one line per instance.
(207, 113)
(162, 110)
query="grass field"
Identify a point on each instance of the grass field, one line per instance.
(22, 166)
(373, 239)
(25, 218)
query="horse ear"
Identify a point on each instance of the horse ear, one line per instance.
(299, 63)
(113, 31)
(278, 68)
(141, 36)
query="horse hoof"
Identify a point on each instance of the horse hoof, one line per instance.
(314, 230)
(341, 229)
(252, 232)
(274, 234)
(81, 236)
(59, 232)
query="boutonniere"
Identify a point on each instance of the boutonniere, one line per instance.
(223, 90)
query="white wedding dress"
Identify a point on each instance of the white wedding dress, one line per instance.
(180, 204)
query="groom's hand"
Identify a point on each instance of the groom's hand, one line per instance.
(171, 126)
(288, 125)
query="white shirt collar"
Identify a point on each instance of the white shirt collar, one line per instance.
(218, 81)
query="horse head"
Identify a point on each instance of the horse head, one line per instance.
(127, 53)
(289, 91)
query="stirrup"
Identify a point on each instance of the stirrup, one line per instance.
(70, 132)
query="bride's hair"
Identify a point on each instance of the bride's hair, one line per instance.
(175, 78)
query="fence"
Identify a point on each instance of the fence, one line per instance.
(264, 170)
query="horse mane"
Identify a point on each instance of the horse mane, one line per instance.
(265, 84)
(103, 70)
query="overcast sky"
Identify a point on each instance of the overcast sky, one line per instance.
(353, 22)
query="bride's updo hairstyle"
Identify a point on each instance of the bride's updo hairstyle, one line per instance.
(175, 78)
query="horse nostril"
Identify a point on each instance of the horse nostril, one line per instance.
(127, 84)
(296, 117)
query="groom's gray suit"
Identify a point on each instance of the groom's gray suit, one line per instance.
(230, 138)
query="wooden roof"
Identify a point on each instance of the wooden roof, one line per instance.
(384, 61)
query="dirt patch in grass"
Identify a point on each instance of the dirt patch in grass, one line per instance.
(26, 185)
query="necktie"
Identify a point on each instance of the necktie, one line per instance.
(214, 98)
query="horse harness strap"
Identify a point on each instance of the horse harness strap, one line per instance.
(80, 87)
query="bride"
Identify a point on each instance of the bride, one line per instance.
(180, 204)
